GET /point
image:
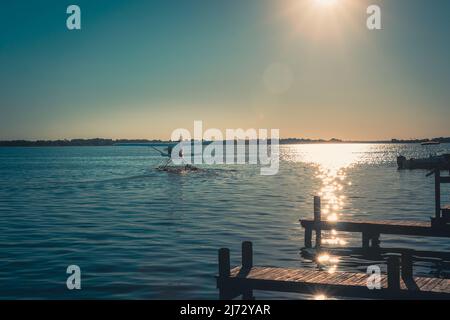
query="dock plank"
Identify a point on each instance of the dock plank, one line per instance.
(355, 279)
(346, 283)
(299, 275)
(443, 286)
(432, 284)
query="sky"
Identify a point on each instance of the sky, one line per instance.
(141, 69)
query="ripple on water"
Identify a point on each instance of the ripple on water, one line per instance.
(143, 234)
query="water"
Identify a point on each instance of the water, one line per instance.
(138, 233)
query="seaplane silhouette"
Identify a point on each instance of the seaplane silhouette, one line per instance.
(166, 150)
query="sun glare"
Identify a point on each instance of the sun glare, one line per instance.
(326, 2)
(329, 23)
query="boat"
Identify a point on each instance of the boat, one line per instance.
(432, 162)
(430, 143)
(166, 153)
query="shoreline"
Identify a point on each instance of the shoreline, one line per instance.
(110, 143)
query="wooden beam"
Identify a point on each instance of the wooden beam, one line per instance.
(247, 255)
(317, 220)
(437, 193)
(308, 237)
(224, 262)
(398, 227)
(393, 271)
(375, 240)
(445, 179)
(247, 265)
(407, 266)
(226, 291)
(365, 240)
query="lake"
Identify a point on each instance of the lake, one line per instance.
(139, 233)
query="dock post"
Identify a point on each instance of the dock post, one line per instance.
(224, 263)
(308, 237)
(437, 193)
(375, 241)
(224, 272)
(247, 255)
(393, 271)
(365, 240)
(407, 266)
(247, 265)
(317, 220)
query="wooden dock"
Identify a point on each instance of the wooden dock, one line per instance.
(371, 229)
(399, 283)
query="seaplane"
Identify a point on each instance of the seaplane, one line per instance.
(165, 149)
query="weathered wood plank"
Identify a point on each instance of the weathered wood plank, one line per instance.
(362, 280)
(300, 274)
(355, 279)
(263, 273)
(281, 276)
(347, 276)
(430, 285)
(322, 276)
(442, 287)
(256, 272)
(310, 277)
(384, 281)
(340, 283)
(423, 282)
(234, 271)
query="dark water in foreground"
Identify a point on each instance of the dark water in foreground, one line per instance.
(138, 233)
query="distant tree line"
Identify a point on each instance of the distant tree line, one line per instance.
(111, 142)
(73, 142)
(440, 139)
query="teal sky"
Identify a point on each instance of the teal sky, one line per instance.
(140, 69)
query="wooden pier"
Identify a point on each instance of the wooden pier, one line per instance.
(399, 283)
(371, 230)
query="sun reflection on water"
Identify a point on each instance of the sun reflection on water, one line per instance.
(331, 163)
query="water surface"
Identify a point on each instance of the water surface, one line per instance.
(138, 233)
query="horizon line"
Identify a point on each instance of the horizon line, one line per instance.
(110, 141)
